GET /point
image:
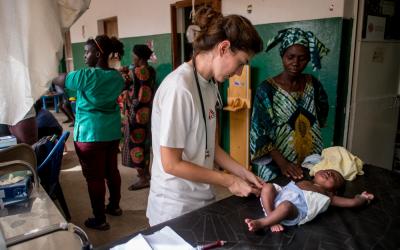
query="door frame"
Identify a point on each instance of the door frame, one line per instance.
(353, 73)
(176, 53)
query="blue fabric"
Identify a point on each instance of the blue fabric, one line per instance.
(45, 118)
(291, 192)
(47, 124)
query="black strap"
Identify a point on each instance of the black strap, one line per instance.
(202, 103)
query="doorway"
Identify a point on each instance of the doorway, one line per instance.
(108, 26)
(180, 20)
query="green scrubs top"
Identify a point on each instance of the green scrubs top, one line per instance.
(97, 115)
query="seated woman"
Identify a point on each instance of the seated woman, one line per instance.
(289, 109)
(46, 123)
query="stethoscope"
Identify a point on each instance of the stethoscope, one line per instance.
(218, 106)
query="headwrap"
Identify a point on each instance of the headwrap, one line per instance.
(142, 51)
(292, 36)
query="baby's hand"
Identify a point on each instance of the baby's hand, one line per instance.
(366, 197)
(369, 197)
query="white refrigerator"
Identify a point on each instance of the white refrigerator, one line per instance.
(374, 109)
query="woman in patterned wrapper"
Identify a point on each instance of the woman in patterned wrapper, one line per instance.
(137, 104)
(289, 109)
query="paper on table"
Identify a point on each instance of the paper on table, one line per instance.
(164, 239)
(138, 242)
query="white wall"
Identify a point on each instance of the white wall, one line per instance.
(135, 18)
(274, 11)
(150, 17)
(349, 10)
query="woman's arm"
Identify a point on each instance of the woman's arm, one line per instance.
(60, 80)
(171, 159)
(287, 168)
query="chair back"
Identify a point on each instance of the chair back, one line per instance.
(49, 169)
(18, 157)
(22, 151)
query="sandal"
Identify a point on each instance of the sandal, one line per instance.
(95, 224)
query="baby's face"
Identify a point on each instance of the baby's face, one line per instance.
(329, 179)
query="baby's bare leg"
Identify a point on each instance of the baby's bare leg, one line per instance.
(285, 210)
(268, 194)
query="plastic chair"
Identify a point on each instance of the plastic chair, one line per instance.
(49, 173)
(18, 157)
(54, 96)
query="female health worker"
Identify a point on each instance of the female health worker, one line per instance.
(184, 121)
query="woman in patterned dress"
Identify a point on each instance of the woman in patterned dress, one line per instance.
(289, 109)
(137, 102)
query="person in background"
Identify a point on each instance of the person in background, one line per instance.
(65, 106)
(25, 130)
(289, 109)
(137, 104)
(47, 124)
(183, 121)
(97, 126)
(298, 203)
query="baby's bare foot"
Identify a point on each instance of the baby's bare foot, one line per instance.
(277, 228)
(253, 225)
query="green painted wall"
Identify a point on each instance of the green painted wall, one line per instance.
(162, 49)
(335, 33)
(329, 31)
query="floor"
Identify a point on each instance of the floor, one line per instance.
(133, 203)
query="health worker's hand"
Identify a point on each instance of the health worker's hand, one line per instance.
(242, 188)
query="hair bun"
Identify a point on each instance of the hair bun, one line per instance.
(204, 16)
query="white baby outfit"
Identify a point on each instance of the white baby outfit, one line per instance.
(308, 203)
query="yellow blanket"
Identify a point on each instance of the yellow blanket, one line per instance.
(341, 160)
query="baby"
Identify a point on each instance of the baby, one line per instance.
(298, 203)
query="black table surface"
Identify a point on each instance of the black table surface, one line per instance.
(376, 226)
